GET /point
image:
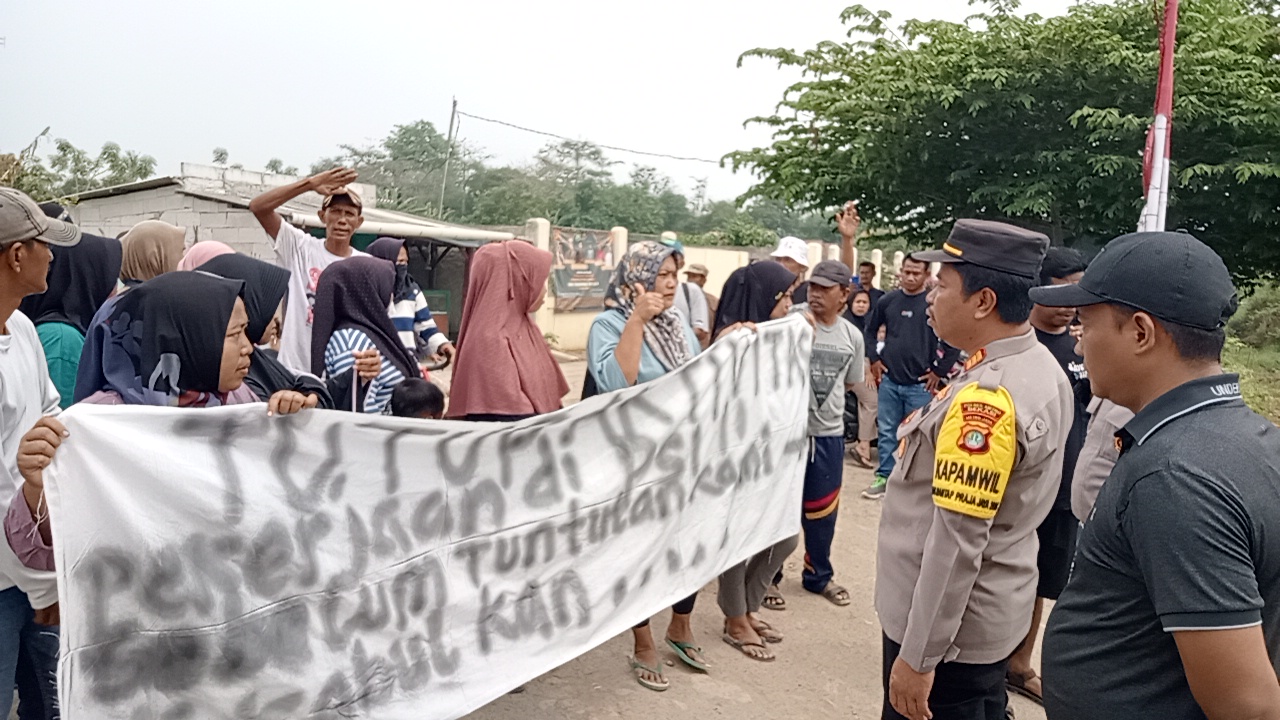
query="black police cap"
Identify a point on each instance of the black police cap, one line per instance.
(993, 245)
(1170, 275)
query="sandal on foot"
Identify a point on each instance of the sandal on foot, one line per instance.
(773, 599)
(658, 685)
(681, 649)
(767, 632)
(746, 648)
(1017, 683)
(836, 594)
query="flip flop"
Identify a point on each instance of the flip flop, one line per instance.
(742, 648)
(767, 632)
(1017, 683)
(681, 649)
(773, 600)
(656, 686)
(836, 594)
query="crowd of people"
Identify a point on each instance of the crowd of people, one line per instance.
(1047, 428)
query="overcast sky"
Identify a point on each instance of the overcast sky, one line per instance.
(265, 78)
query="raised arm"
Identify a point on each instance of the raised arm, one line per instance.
(265, 205)
(847, 223)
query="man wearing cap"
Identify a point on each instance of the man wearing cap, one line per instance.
(1173, 606)
(692, 304)
(835, 366)
(793, 254)
(910, 367)
(978, 469)
(306, 257)
(697, 274)
(29, 399)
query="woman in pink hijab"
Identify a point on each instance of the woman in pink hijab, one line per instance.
(203, 252)
(504, 370)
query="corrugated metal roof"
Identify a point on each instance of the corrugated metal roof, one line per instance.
(304, 210)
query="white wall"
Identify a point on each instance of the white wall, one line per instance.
(203, 219)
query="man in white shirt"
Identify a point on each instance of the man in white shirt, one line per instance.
(306, 257)
(28, 398)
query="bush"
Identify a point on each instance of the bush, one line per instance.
(1257, 323)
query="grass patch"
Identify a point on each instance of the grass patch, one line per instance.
(1259, 370)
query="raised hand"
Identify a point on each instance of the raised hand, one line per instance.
(648, 305)
(847, 220)
(331, 181)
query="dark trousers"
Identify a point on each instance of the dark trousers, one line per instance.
(961, 691)
(684, 607)
(822, 480)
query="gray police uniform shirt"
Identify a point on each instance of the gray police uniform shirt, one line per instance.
(1185, 535)
(836, 361)
(978, 470)
(1098, 455)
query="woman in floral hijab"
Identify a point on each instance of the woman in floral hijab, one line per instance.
(636, 339)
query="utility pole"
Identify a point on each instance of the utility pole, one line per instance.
(444, 179)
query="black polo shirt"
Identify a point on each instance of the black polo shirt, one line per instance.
(1185, 535)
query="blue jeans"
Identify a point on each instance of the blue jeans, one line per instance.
(896, 403)
(37, 674)
(15, 613)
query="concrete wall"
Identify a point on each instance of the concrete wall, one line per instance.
(203, 219)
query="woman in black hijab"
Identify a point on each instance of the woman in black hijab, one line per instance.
(265, 286)
(753, 294)
(81, 278)
(178, 340)
(410, 313)
(350, 320)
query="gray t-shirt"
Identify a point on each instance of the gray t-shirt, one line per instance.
(836, 361)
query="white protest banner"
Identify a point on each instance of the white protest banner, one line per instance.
(222, 564)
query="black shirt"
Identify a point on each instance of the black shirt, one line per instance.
(1063, 347)
(1185, 535)
(910, 347)
(800, 295)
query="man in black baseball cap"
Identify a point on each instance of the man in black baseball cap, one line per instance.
(1170, 610)
(978, 470)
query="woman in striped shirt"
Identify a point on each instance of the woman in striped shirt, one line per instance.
(351, 325)
(409, 311)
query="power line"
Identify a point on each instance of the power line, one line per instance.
(605, 147)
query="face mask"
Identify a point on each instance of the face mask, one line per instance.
(402, 275)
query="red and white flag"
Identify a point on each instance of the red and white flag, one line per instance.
(1155, 169)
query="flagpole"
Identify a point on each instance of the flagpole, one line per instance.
(1159, 136)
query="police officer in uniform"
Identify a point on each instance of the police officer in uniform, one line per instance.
(978, 470)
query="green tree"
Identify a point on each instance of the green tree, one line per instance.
(408, 166)
(510, 196)
(69, 170)
(276, 165)
(570, 162)
(1038, 119)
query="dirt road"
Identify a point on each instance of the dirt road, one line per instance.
(828, 666)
